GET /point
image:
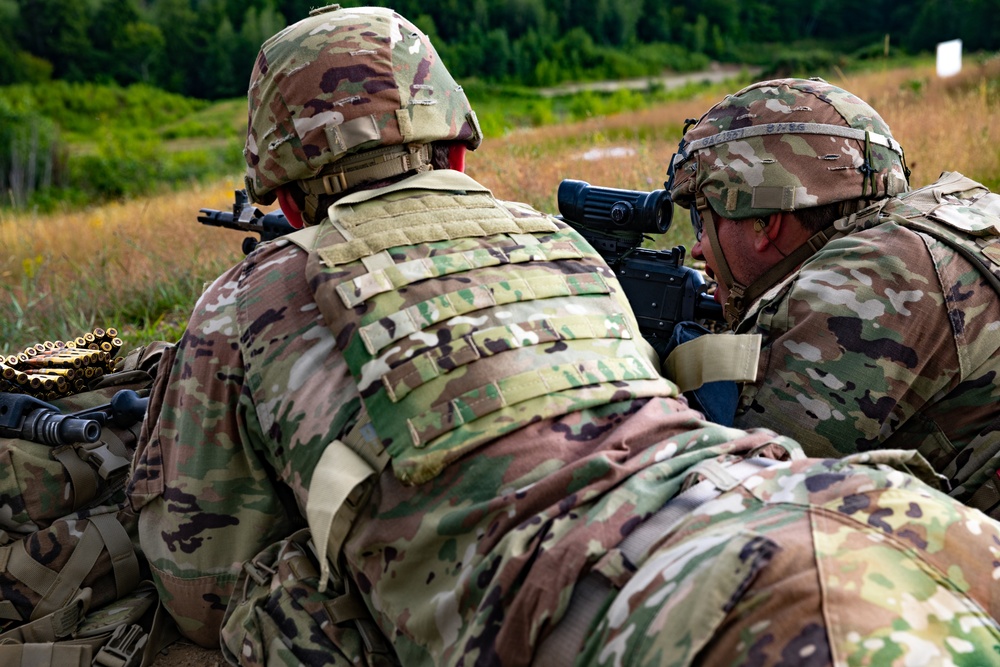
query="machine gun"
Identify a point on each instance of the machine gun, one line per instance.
(248, 218)
(661, 290)
(29, 418)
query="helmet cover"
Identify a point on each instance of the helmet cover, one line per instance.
(344, 81)
(785, 145)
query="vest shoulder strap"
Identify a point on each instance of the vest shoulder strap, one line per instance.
(713, 357)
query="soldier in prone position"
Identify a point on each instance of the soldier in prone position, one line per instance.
(877, 306)
(424, 430)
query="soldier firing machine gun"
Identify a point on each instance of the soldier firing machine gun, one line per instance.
(661, 290)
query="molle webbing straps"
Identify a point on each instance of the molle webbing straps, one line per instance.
(445, 340)
(83, 478)
(109, 638)
(450, 206)
(91, 465)
(103, 531)
(51, 627)
(48, 654)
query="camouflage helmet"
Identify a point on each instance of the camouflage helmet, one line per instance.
(785, 145)
(343, 82)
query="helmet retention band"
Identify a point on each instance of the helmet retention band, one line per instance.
(366, 167)
(375, 165)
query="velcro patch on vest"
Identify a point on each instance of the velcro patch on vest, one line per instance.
(992, 252)
(364, 287)
(438, 361)
(385, 330)
(472, 405)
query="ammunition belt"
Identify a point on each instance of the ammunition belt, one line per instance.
(59, 368)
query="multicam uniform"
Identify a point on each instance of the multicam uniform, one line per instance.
(527, 437)
(889, 338)
(519, 433)
(881, 330)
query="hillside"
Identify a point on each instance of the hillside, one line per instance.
(138, 264)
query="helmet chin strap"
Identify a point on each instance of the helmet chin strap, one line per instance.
(735, 305)
(742, 296)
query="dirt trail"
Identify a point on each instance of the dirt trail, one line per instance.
(716, 74)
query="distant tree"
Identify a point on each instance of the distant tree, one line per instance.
(177, 21)
(204, 48)
(256, 27)
(10, 64)
(221, 68)
(125, 45)
(140, 47)
(517, 17)
(29, 145)
(660, 22)
(189, 28)
(57, 32)
(498, 65)
(973, 21)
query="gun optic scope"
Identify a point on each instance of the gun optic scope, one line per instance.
(613, 209)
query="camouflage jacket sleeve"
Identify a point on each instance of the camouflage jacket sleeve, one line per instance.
(872, 345)
(213, 474)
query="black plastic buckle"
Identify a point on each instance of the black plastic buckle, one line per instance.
(124, 648)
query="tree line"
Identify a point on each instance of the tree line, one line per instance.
(121, 77)
(204, 48)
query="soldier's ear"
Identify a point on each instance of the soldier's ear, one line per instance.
(289, 206)
(766, 231)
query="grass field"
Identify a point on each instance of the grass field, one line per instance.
(139, 265)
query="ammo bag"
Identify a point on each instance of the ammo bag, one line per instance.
(67, 532)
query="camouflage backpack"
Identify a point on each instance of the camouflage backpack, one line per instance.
(70, 414)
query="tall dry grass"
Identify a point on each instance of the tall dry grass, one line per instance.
(943, 124)
(65, 272)
(136, 266)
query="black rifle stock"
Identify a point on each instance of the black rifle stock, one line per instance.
(248, 218)
(661, 290)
